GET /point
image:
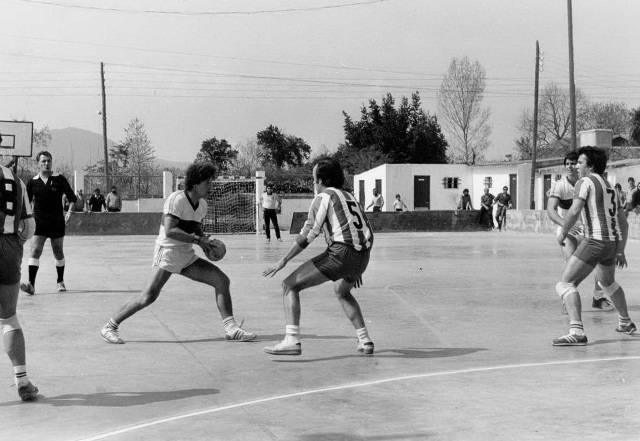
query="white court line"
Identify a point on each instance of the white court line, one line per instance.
(346, 386)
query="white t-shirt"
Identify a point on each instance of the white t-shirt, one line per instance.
(189, 214)
(270, 201)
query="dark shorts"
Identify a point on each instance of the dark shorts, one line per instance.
(11, 248)
(341, 261)
(593, 252)
(113, 210)
(53, 229)
(376, 208)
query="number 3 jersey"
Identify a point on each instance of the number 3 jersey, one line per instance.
(339, 216)
(599, 215)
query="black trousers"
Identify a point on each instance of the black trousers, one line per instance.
(270, 215)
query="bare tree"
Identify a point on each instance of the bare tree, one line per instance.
(611, 115)
(250, 158)
(463, 118)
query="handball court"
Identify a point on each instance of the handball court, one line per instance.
(462, 323)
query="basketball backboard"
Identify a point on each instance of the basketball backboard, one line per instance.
(17, 138)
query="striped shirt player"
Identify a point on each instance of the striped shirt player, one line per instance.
(599, 215)
(338, 215)
(16, 226)
(170, 254)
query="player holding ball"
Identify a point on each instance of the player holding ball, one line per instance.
(181, 227)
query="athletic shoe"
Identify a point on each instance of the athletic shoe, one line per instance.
(283, 348)
(239, 335)
(28, 288)
(365, 348)
(628, 328)
(570, 340)
(27, 392)
(602, 303)
(61, 287)
(111, 335)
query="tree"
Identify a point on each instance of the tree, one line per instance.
(611, 115)
(634, 131)
(392, 135)
(41, 138)
(220, 153)
(465, 121)
(554, 115)
(282, 149)
(249, 159)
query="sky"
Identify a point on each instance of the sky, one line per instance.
(198, 69)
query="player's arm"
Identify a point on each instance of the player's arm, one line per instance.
(552, 210)
(174, 232)
(572, 216)
(26, 215)
(381, 202)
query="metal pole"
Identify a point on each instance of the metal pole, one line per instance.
(572, 84)
(104, 128)
(535, 130)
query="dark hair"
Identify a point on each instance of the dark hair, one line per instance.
(571, 156)
(43, 153)
(97, 189)
(631, 179)
(466, 190)
(330, 173)
(397, 195)
(197, 173)
(618, 186)
(596, 158)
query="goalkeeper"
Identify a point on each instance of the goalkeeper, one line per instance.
(181, 227)
(16, 227)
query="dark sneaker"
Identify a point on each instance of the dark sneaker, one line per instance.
(111, 335)
(365, 348)
(602, 303)
(628, 328)
(283, 348)
(28, 288)
(28, 392)
(570, 340)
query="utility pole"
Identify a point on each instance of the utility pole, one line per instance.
(535, 130)
(104, 128)
(572, 84)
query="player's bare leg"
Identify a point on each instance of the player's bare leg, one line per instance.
(351, 307)
(149, 294)
(606, 275)
(305, 276)
(205, 272)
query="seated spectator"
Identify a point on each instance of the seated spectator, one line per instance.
(464, 201)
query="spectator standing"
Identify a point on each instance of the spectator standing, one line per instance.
(271, 204)
(398, 204)
(96, 202)
(486, 208)
(114, 201)
(377, 202)
(503, 200)
(81, 202)
(630, 190)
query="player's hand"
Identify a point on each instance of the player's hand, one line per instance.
(561, 238)
(270, 272)
(621, 260)
(67, 217)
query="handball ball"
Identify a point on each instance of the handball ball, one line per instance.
(217, 251)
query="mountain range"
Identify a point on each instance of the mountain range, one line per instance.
(80, 148)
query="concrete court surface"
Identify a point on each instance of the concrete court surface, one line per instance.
(462, 323)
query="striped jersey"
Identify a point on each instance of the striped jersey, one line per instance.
(14, 202)
(340, 217)
(189, 215)
(599, 215)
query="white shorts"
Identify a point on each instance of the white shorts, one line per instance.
(172, 259)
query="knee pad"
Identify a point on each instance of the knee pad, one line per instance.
(60, 262)
(34, 262)
(564, 289)
(10, 324)
(611, 289)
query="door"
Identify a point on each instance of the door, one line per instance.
(361, 194)
(421, 192)
(513, 190)
(547, 188)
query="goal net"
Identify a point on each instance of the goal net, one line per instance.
(231, 207)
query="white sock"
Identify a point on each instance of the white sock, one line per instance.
(20, 373)
(292, 332)
(363, 335)
(230, 324)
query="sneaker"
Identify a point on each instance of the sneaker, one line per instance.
(602, 303)
(570, 340)
(628, 328)
(239, 335)
(111, 335)
(27, 392)
(28, 288)
(279, 240)
(61, 287)
(365, 348)
(283, 348)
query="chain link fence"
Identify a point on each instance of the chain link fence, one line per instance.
(129, 187)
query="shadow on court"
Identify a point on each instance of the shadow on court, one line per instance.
(394, 353)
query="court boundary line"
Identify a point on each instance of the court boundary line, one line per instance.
(345, 386)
